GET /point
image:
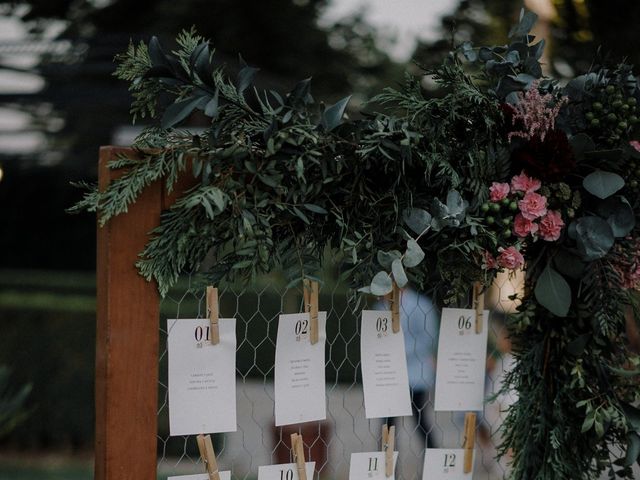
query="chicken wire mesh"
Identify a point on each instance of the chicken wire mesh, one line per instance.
(346, 430)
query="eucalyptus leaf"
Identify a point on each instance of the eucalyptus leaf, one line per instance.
(633, 449)
(211, 108)
(218, 197)
(245, 77)
(594, 237)
(381, 284)
(527, 21)
(417, 219)
(178, 111)
(569, 264)
(315, 208)
(399, 274)
(553, 292)
(619, 215)
(156, 54)
(603, 184)
(332, 116)
(386, 258)
(413, 255)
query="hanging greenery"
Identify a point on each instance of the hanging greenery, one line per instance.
(507, 170)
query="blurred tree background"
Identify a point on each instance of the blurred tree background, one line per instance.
(47, 257)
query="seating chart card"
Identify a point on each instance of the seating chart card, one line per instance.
(284, 471)
(367, 465)
(202, 377)
(299, 383)
(461, 364)
(444, 464)
(226, 475)
(385, 380)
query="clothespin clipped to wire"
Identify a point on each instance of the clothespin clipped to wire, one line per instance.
(469, 440)
(297, 448)
(388, 445)
(311, 293)
(478, 304)
(395, 309)
(214, 312)
(208, 456)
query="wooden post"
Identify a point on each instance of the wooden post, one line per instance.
(127, 339)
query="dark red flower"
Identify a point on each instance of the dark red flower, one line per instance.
(550, 159)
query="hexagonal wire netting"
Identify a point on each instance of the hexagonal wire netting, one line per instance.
(346, 430)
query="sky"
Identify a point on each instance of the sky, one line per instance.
(406, 20)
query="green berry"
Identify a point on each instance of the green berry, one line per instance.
(633, 119)
(610, 89)
(485, 207)
(623, 125)
(491, 220)
(632, 101)
(612, 117)
(617, 96)
(617, 104)
(507, 232)
(506, 201)
(595, 122)
(506, 221)
(495, 207)
(513, 206)
(625, 107)
(589, 115)
(633, 183)
(632, 164)
(597, 106)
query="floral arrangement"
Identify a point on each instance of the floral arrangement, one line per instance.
(507, 170)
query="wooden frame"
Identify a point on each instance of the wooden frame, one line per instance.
(127, 337)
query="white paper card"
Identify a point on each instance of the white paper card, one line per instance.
(462, 358)
(225, 475)
(299, 378)
(385, 381)
(285, 471)
(444, 464)
(366, 465)
(202, 377)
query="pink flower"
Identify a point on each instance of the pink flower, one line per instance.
(523, 227)
(635, 144)
(510, 258)
(489, 261)
(533, 205)
(498, 191)
(524, 183)
(551, 226)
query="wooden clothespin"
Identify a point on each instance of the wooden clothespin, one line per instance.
(478, 303)
(208, 456)
(395, 308)
(311, 294)
(297, 448)
(388, 445)
(213, 312)
(469, 440)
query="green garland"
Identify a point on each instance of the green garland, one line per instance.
(419, 192)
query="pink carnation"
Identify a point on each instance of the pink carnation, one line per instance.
(498, 191)
(533, 205)
(551, 226)
(635, 144)
(524, 183)
(523, 227)
(489, 261)
(510, 258)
